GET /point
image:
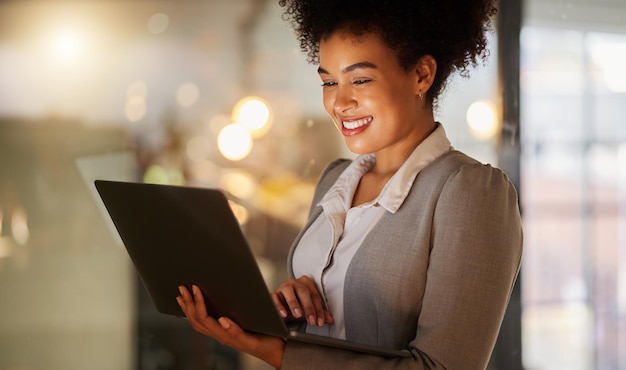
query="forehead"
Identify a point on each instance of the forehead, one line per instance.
(342, 49)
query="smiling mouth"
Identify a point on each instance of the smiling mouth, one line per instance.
(354, 124)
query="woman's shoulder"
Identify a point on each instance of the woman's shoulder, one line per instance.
(458, 165)
(456, 174)
(461, 174)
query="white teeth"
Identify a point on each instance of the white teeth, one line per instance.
(351, 125)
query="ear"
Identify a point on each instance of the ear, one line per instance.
(425, 70)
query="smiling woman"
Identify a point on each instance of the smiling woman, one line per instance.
(412, 245)
(68, 299)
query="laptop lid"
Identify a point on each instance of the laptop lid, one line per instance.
(182, 236)
(179, 235)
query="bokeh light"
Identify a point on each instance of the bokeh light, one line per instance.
(239, 183)
(254, 114)
(19, 226)
(136, 106)
(611, 57)
(157, 174)
(68, 45)
(158, 23)
(187, 94)
(5, 247)
(135, 109)
(234, 142)
(615, 78)
(481, 118)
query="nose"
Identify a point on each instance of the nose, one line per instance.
(344, 98)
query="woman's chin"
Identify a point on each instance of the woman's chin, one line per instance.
(357, 148)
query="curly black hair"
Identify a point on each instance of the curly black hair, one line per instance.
(452, 31)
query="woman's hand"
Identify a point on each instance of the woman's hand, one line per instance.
(268, 348)
(299, 299)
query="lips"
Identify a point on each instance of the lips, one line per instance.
(354, 126)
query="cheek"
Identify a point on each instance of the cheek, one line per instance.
(329, 107)
(327, 101)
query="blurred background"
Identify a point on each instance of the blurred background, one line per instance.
(217, 94)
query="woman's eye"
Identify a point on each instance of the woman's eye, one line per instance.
(329, 84)
(361, 81)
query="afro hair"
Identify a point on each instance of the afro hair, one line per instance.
(452, 31)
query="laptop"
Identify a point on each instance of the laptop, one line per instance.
(177, 235)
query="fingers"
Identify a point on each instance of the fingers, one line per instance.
(226, 331)
(301, 298)
(196, 314)
(280, 304)
(328, 317)
(193, 305)
(313, 307)
(286, 294)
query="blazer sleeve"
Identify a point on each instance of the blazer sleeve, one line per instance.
(474, 262)
(476, 248)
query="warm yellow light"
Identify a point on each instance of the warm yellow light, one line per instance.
(67, 45)
(19, 226)
(254, 114)
(239, 183)
(5, 247)
(234, 142)
(481, 118)
(157, 174)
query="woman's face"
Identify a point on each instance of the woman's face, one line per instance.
(372, 100)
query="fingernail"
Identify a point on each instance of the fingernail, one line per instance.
(320, 322)
(224, 323)
(180, 289)
(311, 320)
(282, 313)
(297, 312)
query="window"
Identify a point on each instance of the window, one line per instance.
(573, 171)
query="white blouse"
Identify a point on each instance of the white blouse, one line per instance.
(327, 247)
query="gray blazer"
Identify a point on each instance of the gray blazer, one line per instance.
(434, 278)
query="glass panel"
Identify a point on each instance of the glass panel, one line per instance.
(573, 196)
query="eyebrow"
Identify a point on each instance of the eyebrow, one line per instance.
(351, 68)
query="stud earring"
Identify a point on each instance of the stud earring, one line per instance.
(421, 96)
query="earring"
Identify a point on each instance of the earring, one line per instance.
(421, 96)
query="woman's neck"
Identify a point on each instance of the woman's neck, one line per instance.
(389, 160)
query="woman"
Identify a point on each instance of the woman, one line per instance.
(412, 245)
